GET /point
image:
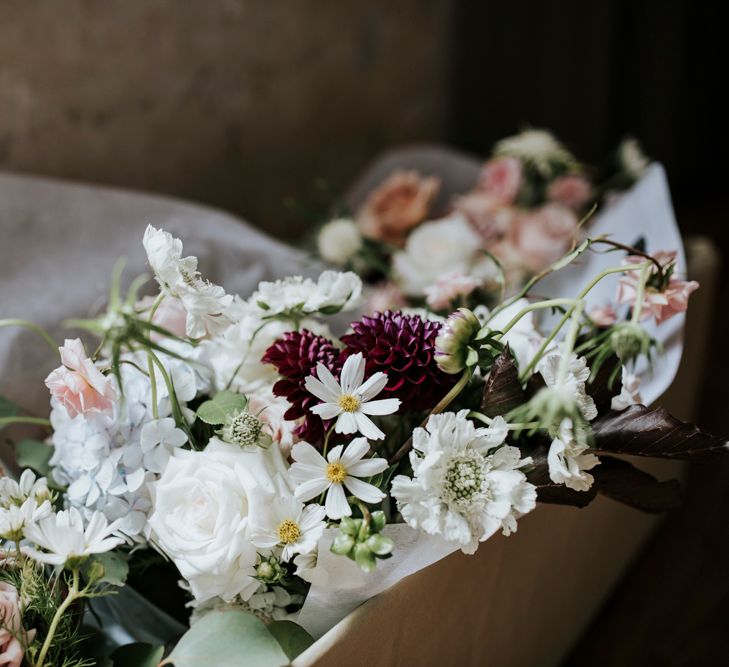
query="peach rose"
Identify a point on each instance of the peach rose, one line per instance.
(11, 628)
(501, 178)
(572, 191)
(400, 203)
(449, 287)
(488, 216)
(78, 385)
(542, 236)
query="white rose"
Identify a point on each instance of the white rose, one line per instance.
(339, 240)
(435, 248)
(200, 516)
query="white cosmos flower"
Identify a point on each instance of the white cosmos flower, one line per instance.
(285, 521)
(568, 460)
(314, 475)
(15, 519)
(574, 384)
(158, 440)
(461, 488)
(206, 304)
(64, 537)
(351, 401)
(16, 493)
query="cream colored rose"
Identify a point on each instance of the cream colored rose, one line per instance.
(200, 516)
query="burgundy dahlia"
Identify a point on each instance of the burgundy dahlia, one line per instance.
(403, 347)
(295, 357)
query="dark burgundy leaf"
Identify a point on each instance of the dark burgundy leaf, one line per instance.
(502, 391)
(646, 432)
(622, 481)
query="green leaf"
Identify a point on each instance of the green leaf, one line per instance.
(137, 655)
(292, 638)
(228, 639)
(34, 454)
(114, 568)
(225, 403)
(7, 408)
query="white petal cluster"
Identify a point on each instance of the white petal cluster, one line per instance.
(569, 459)
(573, 386)
(339, 240)
(538, 147)
(296, 297)
(22, 504)
(466, 484)
(206, 304)
(629, 392)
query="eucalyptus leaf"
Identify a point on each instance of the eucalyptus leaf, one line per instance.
(292, 638)
(34, 454)
(228, 639)
(217, 410)
(137, 655)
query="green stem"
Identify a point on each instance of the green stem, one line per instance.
(553, 334)
(510, 427)
(73, 595)
(569, 343)
(153, 385)
(32, 326)
(549, 303)
(442, 405)
(39, 421)
(638, 308)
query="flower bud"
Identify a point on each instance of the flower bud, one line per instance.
(629, 340)
(453, 346)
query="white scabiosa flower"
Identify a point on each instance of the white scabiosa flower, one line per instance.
(573, 385)
(206, 304)
(351, 401)
(339, 240)
(461, 488)
(313, 475)
(283, 521)
(569, 458)
(64, 539)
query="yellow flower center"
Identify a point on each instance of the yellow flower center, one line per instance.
(336, 472)
(288, 531)
(349, 403)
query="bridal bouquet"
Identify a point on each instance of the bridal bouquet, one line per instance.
(529, 200)
(266, 455)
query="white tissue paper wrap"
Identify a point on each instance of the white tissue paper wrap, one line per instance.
(59, 242)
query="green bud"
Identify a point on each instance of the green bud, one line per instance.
(342, 544)
(269, 570)
(378, 521)
(629, 340)
(452, 346)
(380, 545)
(96, 572)
(364, 558)
(350, 526)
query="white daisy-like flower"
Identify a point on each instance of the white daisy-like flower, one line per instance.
(578, 374)
(351, 401)
(461, 488)
(629, 393)
(296, 296)
(313, 475)
(286, 522)
(568, 459)
(158, 440)
(66, 540)
(16, 519)
(206, 304)
(16, 493)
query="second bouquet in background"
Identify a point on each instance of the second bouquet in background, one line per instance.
(420, 246)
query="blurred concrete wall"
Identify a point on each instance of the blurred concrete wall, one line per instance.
(239, 104)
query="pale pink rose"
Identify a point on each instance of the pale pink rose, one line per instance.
(13, 638)
(170, 315)
(78, 385)
(572, 191)
(400, 203)
(488, 216)
(448, 288)
(604, 316)
(542, 236)
(659, 301)
(385, 296)
(270, 410)
(501, 178)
